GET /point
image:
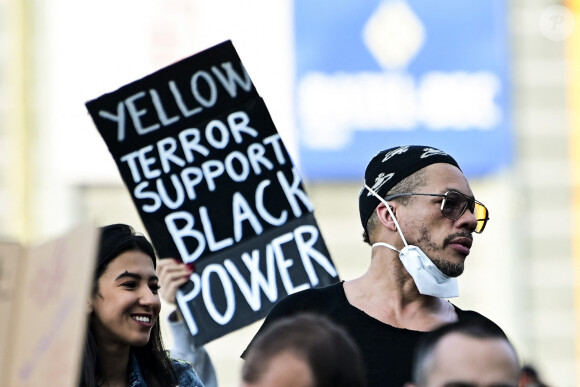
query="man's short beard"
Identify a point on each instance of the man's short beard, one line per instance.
(450, 269)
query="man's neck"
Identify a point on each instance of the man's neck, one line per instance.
(388, 293)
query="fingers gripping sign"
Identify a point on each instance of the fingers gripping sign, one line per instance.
(172, 274)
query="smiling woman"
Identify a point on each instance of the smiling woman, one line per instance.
(123, 343)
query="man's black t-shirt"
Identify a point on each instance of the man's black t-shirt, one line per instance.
(387, 351)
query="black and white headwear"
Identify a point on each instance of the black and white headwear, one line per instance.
(389, 167)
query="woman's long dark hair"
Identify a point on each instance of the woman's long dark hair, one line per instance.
(153, 360)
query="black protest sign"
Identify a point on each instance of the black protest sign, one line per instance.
(215, 186)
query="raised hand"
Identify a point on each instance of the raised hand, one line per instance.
(172, 274)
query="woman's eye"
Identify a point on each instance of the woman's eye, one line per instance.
(154, 288)
(130, 284)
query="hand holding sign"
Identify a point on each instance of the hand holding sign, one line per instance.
(172, 274)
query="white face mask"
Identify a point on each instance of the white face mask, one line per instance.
(428, 278)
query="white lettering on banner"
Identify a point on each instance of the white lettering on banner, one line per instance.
(167, 148)
(208, 232)
(183, 299)
(219, 138)
(232, 79)
(258, 281)
(237, 166)
(179, 234)
(212, 97)
(284, 264)
(180, 196)
(228, 289)
(333, 106)
(227, 77)
(241, 212)
(238, 124)
(264, 213)
(144, 161)
(189, 139)
(306, 249)
(135, 114)
(158, 105)
(293, 191)
(186, 111)
(212, 169)
(274, 140)
(304, 237)
(230, 163)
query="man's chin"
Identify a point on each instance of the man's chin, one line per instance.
(454, 274)
(450, 269)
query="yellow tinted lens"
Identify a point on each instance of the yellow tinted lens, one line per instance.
(481, 215)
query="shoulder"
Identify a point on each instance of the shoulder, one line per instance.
(470, 315)
(313, 295)
(318, 300)
(186, 376)
(313, 299)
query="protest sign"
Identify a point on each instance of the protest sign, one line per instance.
(215, 186)
(47, 289)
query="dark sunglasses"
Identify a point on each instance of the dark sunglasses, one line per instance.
(454, 205)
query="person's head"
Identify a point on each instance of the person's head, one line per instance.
(124, 305)
(470, 353)
(124, 301)
(304, 350)
(430, 199)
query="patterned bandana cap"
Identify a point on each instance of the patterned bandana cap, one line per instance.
(389, 167)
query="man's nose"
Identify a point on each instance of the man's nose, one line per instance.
(468, 219)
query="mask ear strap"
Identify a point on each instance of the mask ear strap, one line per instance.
(390, 212)
(385, 245)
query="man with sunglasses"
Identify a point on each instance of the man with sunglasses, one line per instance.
(419, 215)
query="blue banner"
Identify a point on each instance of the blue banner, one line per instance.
(375, 74)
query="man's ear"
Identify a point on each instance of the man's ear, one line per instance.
(385, 216)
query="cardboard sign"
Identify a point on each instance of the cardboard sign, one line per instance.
(12, 259)
(215, 186)
(49, 290)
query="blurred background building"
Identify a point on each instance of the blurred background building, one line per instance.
(494, 83)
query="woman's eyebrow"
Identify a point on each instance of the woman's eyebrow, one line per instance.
(128, 274)
(134, 276)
